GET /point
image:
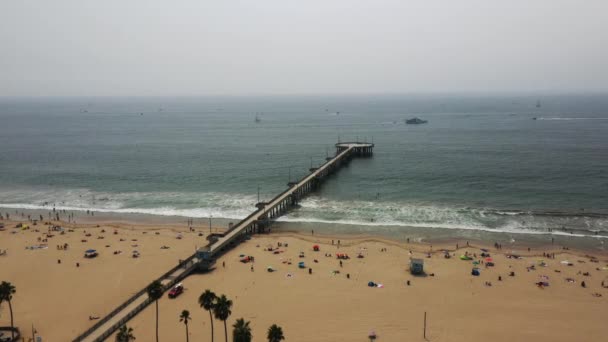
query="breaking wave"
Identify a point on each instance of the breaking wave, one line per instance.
(314, 209)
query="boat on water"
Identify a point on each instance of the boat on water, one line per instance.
(415, 121)
(257, 119)
(538, 104)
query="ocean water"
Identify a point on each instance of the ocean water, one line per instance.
(481, 165)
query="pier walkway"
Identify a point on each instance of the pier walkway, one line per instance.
(256, 222)
(259, 219)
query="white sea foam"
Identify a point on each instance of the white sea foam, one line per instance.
(313, 209)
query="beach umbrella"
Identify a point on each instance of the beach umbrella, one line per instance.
(90, 251)
(489, 260)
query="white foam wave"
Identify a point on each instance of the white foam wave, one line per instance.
(313, 209)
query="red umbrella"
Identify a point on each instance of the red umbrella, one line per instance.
(489, 260)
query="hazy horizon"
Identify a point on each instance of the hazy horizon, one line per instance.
(239, 48)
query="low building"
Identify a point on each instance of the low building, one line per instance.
(416, 266)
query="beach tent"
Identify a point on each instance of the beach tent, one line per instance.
(269, 269)
(371, 284)
(315, 248)
(475, 271)
(301, 264)
(465, 257)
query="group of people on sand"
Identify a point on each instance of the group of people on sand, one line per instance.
(62, 247)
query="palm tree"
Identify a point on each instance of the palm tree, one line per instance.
(222, 311)
(7, 290)
(207, 301)
(125, 334)
(155, 291)
(242, 331)
(185, 317)
(275, 333)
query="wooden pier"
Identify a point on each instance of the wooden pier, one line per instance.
(267, 212)
(256, 222)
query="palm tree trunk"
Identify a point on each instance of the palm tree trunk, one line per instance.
(157, 320)
(225, 331)
(211, 318)
(187, 337)
(10, 306)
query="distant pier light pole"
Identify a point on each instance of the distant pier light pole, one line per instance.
(210, 216)
(258, 194)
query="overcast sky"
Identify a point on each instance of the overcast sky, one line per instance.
(201, 47)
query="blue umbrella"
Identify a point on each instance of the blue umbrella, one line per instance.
(90, 251)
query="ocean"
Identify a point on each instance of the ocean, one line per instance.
(484, 166)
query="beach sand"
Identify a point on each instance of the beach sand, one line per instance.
(323, 306)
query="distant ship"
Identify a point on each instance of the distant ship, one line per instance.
(537, 103)
(415, 121)
(257, 119)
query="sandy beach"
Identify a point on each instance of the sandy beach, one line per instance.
(327, 305)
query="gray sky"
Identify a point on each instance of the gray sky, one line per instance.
(198, 47)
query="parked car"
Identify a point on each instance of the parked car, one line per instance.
(176, 290)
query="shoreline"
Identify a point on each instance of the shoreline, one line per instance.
(178, 224)
(424, 235)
